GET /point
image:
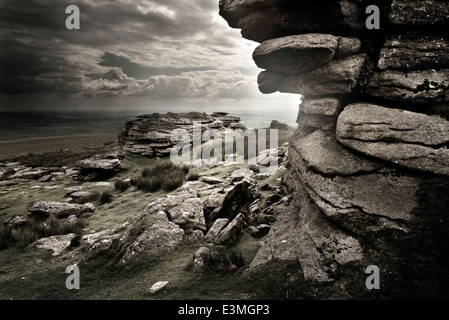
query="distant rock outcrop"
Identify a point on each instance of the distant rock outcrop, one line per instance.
(149, 135)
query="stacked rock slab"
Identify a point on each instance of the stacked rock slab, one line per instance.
(368, 123)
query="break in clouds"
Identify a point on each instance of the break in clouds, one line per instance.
(163, 49)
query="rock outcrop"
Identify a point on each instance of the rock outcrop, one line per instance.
(371, 122)
(150, 135)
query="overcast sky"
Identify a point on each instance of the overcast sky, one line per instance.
(127, 52)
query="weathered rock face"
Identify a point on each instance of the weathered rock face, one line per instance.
(150, 135)
(413, 140)
(369, 128)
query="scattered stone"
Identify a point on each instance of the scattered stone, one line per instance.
(183, 208)
(29, 174)
(239, 197)
(46, 178)
(240, 174)
(278, 125)
(212, 180)
(216, 228)
(17, 221)
(55, 243)
(100, 245)
(159, 286)
(271, 199)
(232, 229)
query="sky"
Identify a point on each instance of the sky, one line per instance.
(126, 54)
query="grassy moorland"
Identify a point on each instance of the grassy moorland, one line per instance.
(27, 272)
(412, 265)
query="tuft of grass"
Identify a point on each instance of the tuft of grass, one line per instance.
(29, 233)
(148, 184)
(94, 196)
(193, 176)
(164, 175)
(121, 185)
(222, 260)
(106, 197)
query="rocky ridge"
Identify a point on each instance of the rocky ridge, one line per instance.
(369, 125)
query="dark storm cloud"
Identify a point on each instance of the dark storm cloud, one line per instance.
(136, 70)
(123, 48)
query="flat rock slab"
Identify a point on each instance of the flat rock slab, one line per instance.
(59, 209)
(303, 53)
(55, 243)
(413, 140)
(337, 77)
(212, 180)
(325, 155)
(420, 86)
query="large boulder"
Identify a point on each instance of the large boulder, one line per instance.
(263, 20)
(239, 198)
(413, 140)
(161, 233)
(97, 167)
(183, 208)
